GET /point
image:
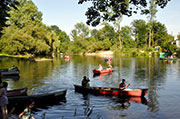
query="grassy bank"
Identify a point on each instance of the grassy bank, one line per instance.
(17, 56)
(136, 52)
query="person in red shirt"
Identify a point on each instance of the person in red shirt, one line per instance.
(123, 85)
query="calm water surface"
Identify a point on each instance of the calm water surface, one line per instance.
(161, 78)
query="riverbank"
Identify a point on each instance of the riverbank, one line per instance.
(123, 53)
(27, 57)
(109, 53)
(101, 54)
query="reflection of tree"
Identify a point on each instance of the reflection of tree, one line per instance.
(31, 72)
(149, 68)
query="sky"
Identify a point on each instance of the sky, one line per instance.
(66, 13)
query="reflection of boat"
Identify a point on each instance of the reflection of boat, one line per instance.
(142, 100)
(41, 100)
(17, 92)
(111, 91)
(95, 71)
(11, 77)
(11, 71)
(101, 75)
(124, 103)
(67, 57)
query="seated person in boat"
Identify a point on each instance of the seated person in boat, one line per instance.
(109, 67)
(26, 114)
(123, 85)
(100, 67)
(85, 82)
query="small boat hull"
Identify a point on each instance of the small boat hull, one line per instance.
(41, 100)
(112, 91)
(9, 72)
(17, 92)
(95, 71)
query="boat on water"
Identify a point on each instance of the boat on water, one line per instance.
(112, 91)
(95, 71)
(169, 59)
(39, 99)
(10, 71)
(17, 92)
(19, 103)
(10, 77)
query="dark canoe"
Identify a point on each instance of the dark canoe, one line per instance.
(39, 99)
(18, 103)
(17, 92)
(95, 71)
(112, 91)
(11, 71)
(11, 77)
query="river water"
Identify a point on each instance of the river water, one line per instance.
(160, 77)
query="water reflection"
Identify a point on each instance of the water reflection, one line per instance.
(125, 102)
(140, 72)
(103, 74)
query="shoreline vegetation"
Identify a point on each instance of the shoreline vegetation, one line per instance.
(107, 53)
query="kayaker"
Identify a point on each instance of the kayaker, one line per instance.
(85, 82)
(26, 114)
(123, 84)
(100, 67)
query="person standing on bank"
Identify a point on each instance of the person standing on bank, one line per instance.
(4, 100)
(123, 85)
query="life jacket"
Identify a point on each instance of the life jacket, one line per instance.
(122, 85)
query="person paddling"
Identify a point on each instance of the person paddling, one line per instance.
(85, 82)
(100, 67)
(123, 84)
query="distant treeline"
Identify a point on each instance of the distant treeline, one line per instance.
(23, 33)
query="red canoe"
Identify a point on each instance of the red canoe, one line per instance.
(95, 71)
(17, 92)
(112, 91)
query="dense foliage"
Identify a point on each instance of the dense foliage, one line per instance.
(109, 10)
(26, 34)
(4, 8)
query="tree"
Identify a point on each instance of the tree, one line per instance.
(126, 38)
(4, 8)
(140, 32)
(160, 34)
(103, 9)
(152, 16)
(80, 38)
(82, 30)
(55, 29)
(26, 34)
(117, 24)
